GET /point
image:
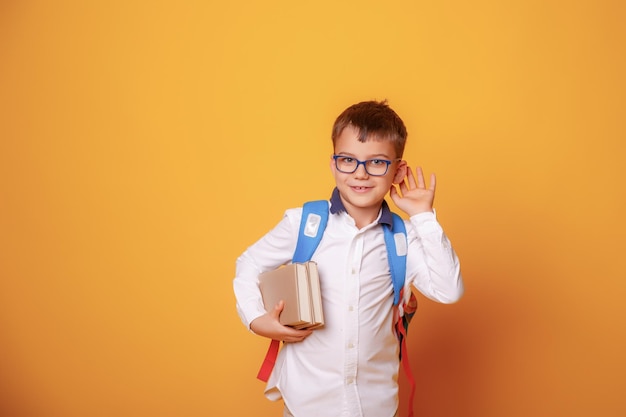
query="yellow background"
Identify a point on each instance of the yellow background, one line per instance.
(145, 144)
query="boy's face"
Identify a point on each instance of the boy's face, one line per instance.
(360, 191)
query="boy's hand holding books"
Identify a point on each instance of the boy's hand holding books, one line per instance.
(293, 301)
(268, 325)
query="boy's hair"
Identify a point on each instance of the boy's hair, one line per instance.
(373, 120)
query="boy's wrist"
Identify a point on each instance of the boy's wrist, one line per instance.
(418, 210)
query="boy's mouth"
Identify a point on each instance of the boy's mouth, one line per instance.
(360, 189)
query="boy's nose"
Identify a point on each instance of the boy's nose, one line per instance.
(361, 172)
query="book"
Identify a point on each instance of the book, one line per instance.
(298, 285)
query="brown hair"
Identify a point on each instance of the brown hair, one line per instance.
(373, 120)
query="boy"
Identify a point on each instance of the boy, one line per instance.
(350, 366)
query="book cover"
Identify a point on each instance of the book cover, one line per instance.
(298, 286)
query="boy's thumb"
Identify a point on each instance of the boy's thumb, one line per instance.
(278, 308)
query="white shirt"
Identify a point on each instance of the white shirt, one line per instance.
(349, 367)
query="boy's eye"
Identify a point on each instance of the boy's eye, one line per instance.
(346, 160)
(376, 162)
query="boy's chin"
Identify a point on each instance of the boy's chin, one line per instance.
(364, 199)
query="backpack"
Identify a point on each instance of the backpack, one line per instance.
(312, 225)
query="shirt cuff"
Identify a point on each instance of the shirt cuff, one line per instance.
(426, 222)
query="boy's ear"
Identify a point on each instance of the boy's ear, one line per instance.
(400, 172)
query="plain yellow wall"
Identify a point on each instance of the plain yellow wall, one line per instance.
(145, 144)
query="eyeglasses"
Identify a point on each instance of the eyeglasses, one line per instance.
(374, 167)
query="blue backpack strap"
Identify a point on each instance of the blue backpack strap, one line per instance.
(396, 242)
(312, 225)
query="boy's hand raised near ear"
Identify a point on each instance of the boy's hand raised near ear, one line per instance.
(269, 326)
(414, 197)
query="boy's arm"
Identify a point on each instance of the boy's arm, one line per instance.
(271, 251)
(433, 266)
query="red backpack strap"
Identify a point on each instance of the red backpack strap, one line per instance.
(401, 326)
(269, 361)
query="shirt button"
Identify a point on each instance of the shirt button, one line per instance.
(350, 345)
(349, 380)
(353, 271)
(350, 308)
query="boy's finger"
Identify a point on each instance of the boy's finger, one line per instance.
(410, 177)
(420, 178)
(433, 182)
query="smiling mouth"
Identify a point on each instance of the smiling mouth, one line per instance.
(360, 189)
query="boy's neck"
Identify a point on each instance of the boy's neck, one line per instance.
(362, 216)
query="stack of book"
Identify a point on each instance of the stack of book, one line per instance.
(298, 285)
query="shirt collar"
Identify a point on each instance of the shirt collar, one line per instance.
(336, 206)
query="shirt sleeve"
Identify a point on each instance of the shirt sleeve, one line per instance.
(432, 266)
(271, 251)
